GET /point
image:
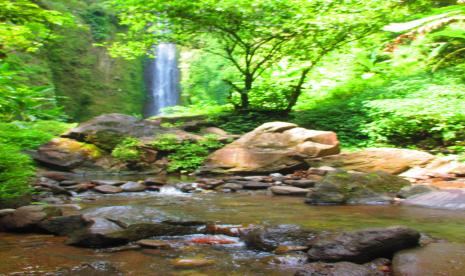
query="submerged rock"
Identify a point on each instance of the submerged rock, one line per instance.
(191, 263)
(356, 188)
(431, 260)
(413, 190)
(337, 269)
(272, 147)
(390, 160)
(64, 225)
(27, 218)
(92, 269)
(443, 199)
(269, 238)
(154, 244)
(363, 246)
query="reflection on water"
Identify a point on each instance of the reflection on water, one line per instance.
(47, 253)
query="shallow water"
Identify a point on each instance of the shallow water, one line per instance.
(19, 253)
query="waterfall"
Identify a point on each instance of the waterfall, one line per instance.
(162, 79)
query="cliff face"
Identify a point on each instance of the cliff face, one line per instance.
(87, 81)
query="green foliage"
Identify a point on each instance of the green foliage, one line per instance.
(99, 22)
(16, 171)
(239, 123)
(253, 36)
(185, 155)
(127, 150)
(16, 168)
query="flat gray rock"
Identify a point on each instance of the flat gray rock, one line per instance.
(443, 199)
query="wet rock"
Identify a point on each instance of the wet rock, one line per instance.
(82, 187)
(108, 189)
(210, 183)
(268, 239)
(388, 160)
(288, 260)
(158, 244)
(155, 181)
(52, 185)
(301, 183)
(64, 225)
(68, 183)
(94, 269)
(57, 176)
(272, 147)
(186, 187)
(27, 218)
(133, 187)
(255, 185)
(453, 199)
(127, 214)
(232, 186)
(356, 188)
(336, 269)
(409, 191)
(284, 249)
(433, 259)
(108, 182)
(446, 166)
(363, 246)
(288, 191)
(191, 263)
(153, 188)
(114, 236)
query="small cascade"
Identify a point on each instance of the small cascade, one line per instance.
(162, 79)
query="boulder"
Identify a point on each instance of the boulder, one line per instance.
(288, 191)
(453, 199)
(82, 187)
(97, 237)
(156, 181)
(390, 160)
(108, 182)
(301, 183)
(106, 131)
(154, 244)
(355, 188)
(133, 187)
(67, 154)
(64, 225)
(409, 191)
(433, 259)
(272, 147)
(269, 238)
(363, 246)
(231, 186)
(27, 218)
(337, 269)
(108, 189)
(445, 165)
(254, 185)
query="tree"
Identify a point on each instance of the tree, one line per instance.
(252, 34)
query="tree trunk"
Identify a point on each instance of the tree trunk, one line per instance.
(297, 91)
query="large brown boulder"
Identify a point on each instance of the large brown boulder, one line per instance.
(274, 146)
(390, 160)
(107, 130)
(67, 154)
(27, 218)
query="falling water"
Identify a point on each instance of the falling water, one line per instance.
(163, 79)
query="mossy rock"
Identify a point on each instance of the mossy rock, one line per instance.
(356, 188)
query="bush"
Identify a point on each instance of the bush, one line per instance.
(127, 150)
(185, 155)
(16, 168)
(16, 171)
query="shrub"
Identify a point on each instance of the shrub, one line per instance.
(127, 150)
(16, 170)
(185, 155)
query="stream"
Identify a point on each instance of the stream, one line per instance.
(33, 254)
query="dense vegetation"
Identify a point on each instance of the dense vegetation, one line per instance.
(332, 65)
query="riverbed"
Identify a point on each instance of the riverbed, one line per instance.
(33, 254)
